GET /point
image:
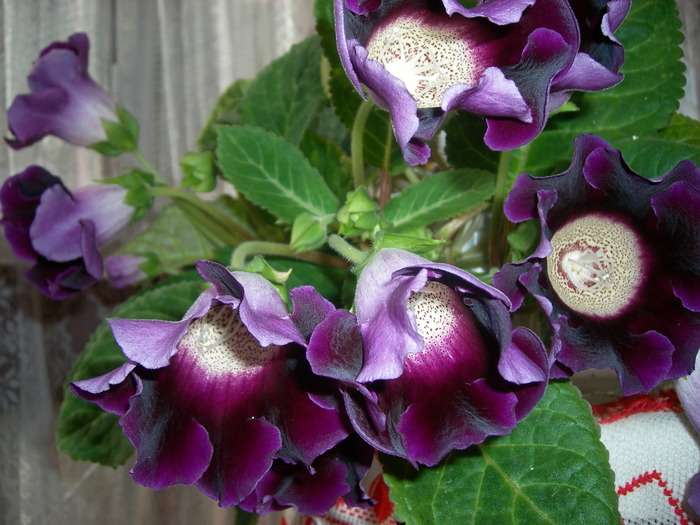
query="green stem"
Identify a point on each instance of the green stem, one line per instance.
(496, 248)
(345, 249)
(246, 250)
(146, 164)
(214, 215)
(357, 143)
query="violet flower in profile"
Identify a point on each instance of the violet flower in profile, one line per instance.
(500, 60)
(64, 100)
(221, 398)
(431, 363)
(60, 231)
(617, 270)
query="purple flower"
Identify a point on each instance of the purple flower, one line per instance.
(500, 59)
(60, 231)
(617, 270)
(64, 100)
(431, 363)
(221, 399)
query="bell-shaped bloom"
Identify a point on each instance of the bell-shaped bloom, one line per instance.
(431, 363)
(59, 230)
(64, 100)
(617, 269)
(500, 59)
(221, 398)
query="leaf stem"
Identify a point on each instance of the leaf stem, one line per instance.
(345, 249)
(357, 143)
(146, 164)
(245, 250)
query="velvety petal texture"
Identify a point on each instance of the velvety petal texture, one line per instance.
(617, 267)
(223, 399)
(61, 231)
(64, 101)
(512, 62)
(425, 349)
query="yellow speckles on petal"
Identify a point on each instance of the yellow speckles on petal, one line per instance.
(427, 59)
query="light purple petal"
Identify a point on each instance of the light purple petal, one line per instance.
(500, 12)
(112, 392)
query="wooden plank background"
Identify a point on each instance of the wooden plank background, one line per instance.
(166, 61)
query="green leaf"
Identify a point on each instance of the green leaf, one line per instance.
(330, 161)
(639, 106)
(224, 113)
(439, 197)
(86, 432)
(682, 129)
(654, 157)
(286, 95)
(273, 174)
(551, 469)
(172, 239)
(464, 143)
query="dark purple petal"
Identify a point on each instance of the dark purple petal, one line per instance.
(335, 348)
(64, 100)
(112, 392)
(309, 309)
(500, 12)
(59, 280)
(20, 197)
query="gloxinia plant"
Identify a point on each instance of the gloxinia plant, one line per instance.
(219, 397)
(61, 231)
(617, 269)
(64, 100)
(512, 62)
(432, 362)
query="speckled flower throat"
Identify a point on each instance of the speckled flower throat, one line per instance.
(597, 265)
(426, 70)
(221, 344)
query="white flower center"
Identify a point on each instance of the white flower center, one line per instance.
(596, 266)
(220, 343)
(427, 59)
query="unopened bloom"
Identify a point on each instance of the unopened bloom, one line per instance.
(429, 360)
(64, 100)
(125, 269)
(221, 399)
(500, 60)
(60, 231)
(617, 269)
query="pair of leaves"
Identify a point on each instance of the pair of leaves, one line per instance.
(551, 469)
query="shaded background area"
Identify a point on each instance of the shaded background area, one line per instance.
(166, 61)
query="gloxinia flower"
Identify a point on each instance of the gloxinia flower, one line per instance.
(64, 100)
(500, 59)
(220, 397)
(431, 363)
(617, 269)
(59, 230)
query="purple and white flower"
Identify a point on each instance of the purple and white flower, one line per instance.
(431, 363)
(64, 100)
(617, 270)
(221, 399)
(501, 59)
(60, 231)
